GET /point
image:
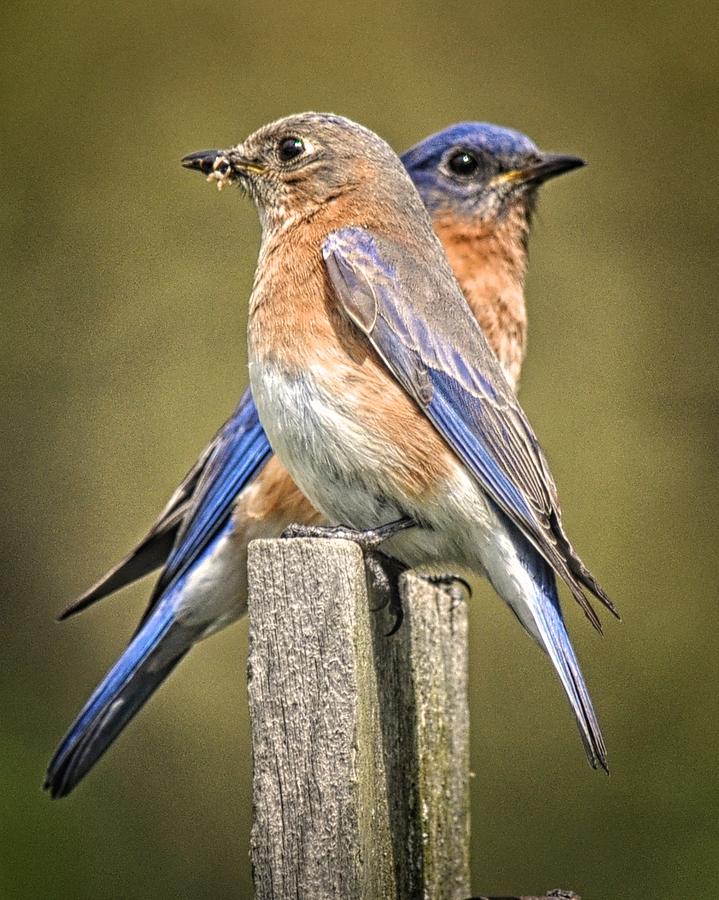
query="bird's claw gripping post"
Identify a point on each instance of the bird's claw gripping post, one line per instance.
(383, 570)
(368, 539)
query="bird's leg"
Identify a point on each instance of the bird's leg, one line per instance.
(383, 570)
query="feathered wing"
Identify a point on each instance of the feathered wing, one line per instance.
(437, 352)
(152, 551)
(197, 509)
(239, 453)
(162, 638)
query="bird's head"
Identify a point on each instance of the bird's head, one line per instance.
(297, 165)
(482, 172)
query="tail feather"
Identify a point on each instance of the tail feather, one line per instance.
(556, 643)
(145, 664)
(535, 602)
(554, 639)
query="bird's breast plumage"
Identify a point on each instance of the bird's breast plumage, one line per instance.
(489, 262)
(334, 415)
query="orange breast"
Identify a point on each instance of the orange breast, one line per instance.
(295, 321)
(489, 264)
(275, 498)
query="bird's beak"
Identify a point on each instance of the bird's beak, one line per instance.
(549, 166)
(204, 160)
(221, 165)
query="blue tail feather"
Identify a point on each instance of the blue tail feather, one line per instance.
(145, 664)
(555, 641)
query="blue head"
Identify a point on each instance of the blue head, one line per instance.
(482, 171)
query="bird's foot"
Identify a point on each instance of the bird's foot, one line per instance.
(454, 585)
(383, 570)
(368, 539)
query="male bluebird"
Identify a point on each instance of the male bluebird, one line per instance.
(479, 182)
(378, 390)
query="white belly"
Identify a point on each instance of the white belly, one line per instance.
(322, 445)
(337, 463)
(214, 592)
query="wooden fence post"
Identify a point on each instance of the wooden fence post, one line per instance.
(360, 741)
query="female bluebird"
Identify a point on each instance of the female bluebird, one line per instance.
(479, 183)
(378, 390)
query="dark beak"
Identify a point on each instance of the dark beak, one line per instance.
(202, 160)
(222, 166)
(549, 166)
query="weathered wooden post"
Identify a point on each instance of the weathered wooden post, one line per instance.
(360, 741)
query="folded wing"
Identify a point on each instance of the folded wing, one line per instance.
(196, 511)
(435, 349)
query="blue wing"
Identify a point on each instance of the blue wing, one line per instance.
(155, 548)
(240, 451)
(196, 511)
(161, 640)
(435, 349)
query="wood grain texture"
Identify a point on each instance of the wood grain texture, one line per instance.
(556, 894)
(360, 741)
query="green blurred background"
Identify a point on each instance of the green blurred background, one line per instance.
(123, 347)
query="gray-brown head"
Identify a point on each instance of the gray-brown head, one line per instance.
(298, 165)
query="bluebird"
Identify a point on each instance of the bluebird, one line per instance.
(479, 183)
(379, 392)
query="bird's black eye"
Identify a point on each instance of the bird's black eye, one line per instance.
(463, 163)
(290, 148)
